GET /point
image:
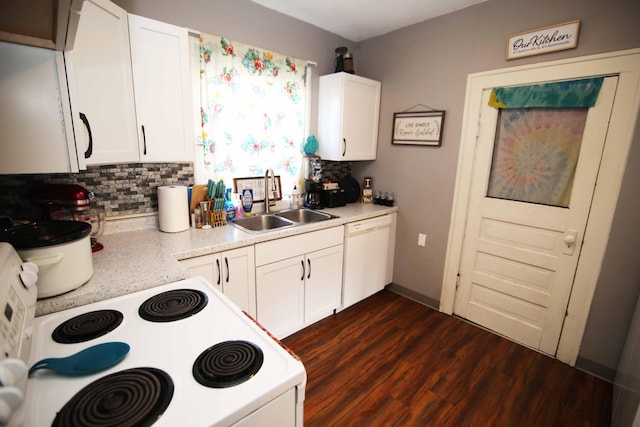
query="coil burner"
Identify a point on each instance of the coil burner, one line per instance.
(87, 326)
(173, 305)
(227, 364)
(133, 397)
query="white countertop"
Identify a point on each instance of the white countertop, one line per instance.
(135, 260)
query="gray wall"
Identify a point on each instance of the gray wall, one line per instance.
(428, 64)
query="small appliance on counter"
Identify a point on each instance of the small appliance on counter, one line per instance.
(60, 249)
(313, 197)
(70, 202)
(63, 201)
(312, 171)
(332, 195)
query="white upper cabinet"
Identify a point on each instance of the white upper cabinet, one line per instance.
(101, 86)
(348, 110)
(161, 76)
(36, 134)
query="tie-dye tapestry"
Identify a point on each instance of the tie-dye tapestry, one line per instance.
(535, 154)
(253, 107)
(567, 94)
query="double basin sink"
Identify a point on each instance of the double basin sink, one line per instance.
(282, 219)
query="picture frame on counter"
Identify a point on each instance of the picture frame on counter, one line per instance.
(256, 184)
(418, 128)
(548, 39)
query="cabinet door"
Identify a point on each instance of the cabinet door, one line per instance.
(101, 86)
(323, 286)
(239, 278)
(280, 296)
(207, 266)
(35, 124)
(360, 119)
(160, 57)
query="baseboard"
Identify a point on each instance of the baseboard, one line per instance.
(596, 369)
(414, 296)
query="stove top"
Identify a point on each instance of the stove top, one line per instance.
(211, 361)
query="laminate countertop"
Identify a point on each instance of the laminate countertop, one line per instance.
(140, 259)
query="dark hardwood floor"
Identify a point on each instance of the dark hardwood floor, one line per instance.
(389, 361)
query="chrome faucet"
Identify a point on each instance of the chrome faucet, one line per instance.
(267, 202)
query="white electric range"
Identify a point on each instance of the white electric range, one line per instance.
(195, 359)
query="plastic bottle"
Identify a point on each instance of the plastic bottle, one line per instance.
(229, 207)
(247, 200)
(239, 208)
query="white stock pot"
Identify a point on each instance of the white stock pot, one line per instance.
(60, 249)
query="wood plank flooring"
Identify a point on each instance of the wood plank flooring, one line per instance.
(389, 361)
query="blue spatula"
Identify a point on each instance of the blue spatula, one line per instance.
(87, 361)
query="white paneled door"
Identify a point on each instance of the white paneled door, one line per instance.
(519, 258)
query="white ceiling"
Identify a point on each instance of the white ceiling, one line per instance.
(358, 20)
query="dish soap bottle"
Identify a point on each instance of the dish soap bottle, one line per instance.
(247, 200)
(239, 208)
(228, 206)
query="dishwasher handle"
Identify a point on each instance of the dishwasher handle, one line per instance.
(367, 225)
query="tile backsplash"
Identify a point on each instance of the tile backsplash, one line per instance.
(122, 189)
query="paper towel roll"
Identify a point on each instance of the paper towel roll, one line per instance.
(173, 208)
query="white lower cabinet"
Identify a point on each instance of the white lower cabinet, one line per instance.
(298, 280)
(231, 272)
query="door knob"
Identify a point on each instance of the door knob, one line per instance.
(570, 238)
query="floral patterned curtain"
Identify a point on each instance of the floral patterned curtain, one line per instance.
(253, 109)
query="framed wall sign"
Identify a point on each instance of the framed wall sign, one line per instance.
(543, 40)
(418, 128)
(257, 185)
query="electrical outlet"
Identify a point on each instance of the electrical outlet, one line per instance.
(422, 239)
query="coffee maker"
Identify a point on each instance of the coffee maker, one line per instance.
(313, 198)
(312, 171)
(70, 202)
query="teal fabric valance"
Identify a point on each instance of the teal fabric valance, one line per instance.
(569, 94)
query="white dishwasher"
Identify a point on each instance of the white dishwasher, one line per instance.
(366, 245)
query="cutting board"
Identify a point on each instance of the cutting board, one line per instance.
(198, 194)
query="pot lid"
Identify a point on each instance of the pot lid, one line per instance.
(45, 233)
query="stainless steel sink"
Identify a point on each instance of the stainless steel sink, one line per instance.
(305, 216)
(288, 218)
(261, 222)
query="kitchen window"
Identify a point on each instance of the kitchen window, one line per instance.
(254, 108)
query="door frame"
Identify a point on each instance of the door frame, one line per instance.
(625, 64)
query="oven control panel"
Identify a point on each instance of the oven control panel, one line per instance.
(18, 295)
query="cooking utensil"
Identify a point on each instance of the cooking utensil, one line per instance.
(87, 361)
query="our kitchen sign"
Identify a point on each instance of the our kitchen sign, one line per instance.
(543, 40)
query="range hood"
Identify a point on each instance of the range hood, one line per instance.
(49, 24)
